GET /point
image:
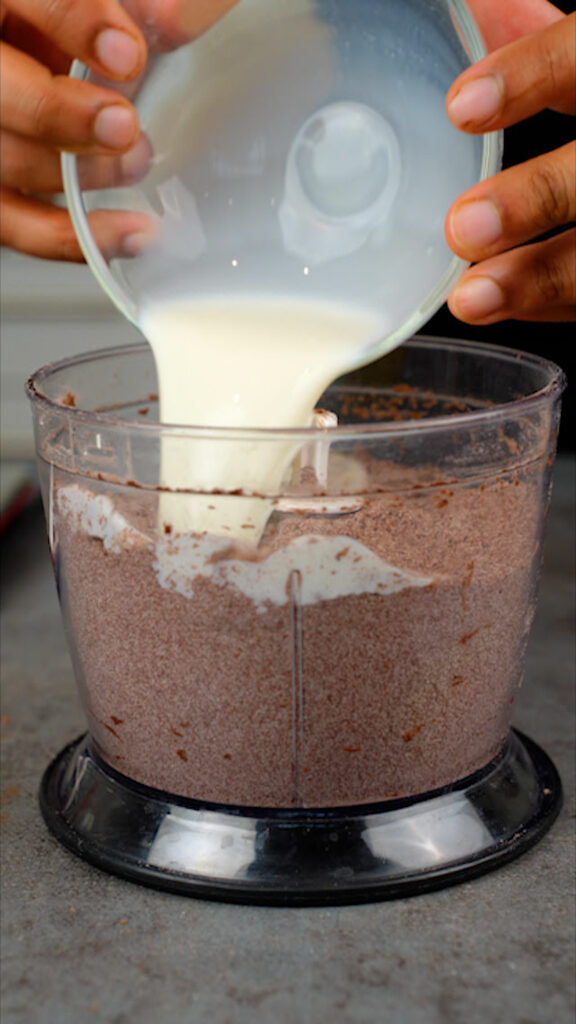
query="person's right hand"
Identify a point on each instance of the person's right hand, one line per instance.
(498, 224)
(43, 112)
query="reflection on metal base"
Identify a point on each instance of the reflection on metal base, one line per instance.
(301, 857)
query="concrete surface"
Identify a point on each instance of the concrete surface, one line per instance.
(80, 946)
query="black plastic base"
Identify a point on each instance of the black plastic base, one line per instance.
(303, 857)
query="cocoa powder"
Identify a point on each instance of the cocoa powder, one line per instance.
(352, 700)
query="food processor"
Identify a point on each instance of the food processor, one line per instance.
(298, 644)
(325, 718)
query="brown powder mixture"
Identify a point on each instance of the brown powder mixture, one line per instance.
(352, 700)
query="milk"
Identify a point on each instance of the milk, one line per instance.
(245, 363)
(327, 567)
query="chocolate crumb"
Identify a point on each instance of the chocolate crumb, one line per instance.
(411, 733)
(474, 632)
(371, 663)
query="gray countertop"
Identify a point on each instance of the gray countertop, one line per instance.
(81, 946)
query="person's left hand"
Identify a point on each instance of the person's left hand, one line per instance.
(490, 223)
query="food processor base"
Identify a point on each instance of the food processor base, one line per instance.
(305, 856)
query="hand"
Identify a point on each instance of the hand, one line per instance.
(488, 225)
(43, 112)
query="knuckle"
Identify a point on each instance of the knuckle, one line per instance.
(551, 195)
(551, 280)
(61, 114)
(57, 13)
(41, 114)
(554, 60)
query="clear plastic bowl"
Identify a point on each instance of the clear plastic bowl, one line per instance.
(300, 150)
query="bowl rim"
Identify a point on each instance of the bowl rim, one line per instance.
(473, 418)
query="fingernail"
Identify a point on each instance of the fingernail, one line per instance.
(478, 298)
(115, 126)
(136, 162)
(476, 102)
(135, 243)
(476, 224)
(117, 51)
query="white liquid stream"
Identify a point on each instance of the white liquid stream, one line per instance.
(240, 363)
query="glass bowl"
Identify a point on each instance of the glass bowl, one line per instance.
(298, 151)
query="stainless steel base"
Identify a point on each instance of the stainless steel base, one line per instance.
(301, 857)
